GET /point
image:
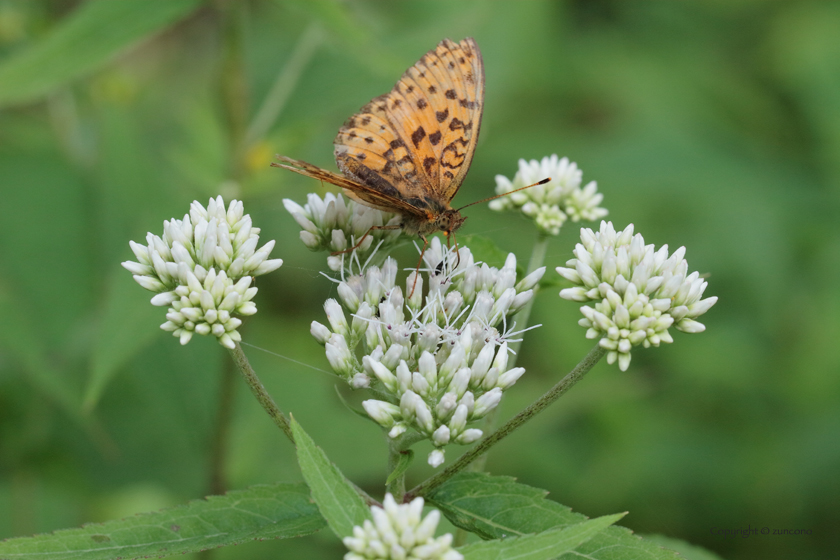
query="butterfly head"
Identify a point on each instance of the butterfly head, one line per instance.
(448, 221)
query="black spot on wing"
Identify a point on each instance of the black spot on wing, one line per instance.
(435, 137)
(417, 136)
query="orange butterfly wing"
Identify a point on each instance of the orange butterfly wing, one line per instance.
(356, 190)
(416, 143)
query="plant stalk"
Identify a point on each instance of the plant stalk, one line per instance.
(535, 408)
(397, 486)
(260, 392)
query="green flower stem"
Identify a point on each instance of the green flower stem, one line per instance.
(536, 407)
(521, 320)
(405, 441)
(260, 392)
(397, 486)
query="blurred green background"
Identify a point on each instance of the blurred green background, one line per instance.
(714, 125)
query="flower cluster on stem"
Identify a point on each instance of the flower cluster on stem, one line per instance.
(202, 268)
(398, 532)
(438, 361)
(334, 225)
(552, 203)
(636, 292)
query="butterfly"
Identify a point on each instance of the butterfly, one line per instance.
(408, 151)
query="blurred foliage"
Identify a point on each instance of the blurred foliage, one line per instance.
(712, 125)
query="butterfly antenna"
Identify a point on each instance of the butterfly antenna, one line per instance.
(544, 181)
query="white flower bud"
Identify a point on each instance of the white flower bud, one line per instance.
(459, 419)
(310, 239)
(383, 413)
(335, 316)
(482, 362)
(348, 297)
(360, 381)
(428, 368)
(487, 402)
(338, 355)
(403, 377)
(455, 361)
(361, 319)
(460, 382)
(446, 405)
(469, 436)
(507, 379)
(436, 458)
(441, 436)
(338, 240)
(383, 374)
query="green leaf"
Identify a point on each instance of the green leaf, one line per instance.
(542, 546)
(260, 512)
(686, 550)
(337, 498)
(484, 249)
(498, 506)
(406, 457)
(88, 38)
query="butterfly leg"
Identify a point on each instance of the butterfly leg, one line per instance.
(458, 253)
(417, 270)
(356, 246)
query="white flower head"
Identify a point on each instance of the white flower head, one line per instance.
(331, 224)
(636, 292)
(551, 204)
(399, 532)
(202, 268)
(439, 358)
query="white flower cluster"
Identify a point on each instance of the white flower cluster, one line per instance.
(551, 204)
(440, 360)
(202, 269)
(398, 532)
(638, 292)
(335, 225)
